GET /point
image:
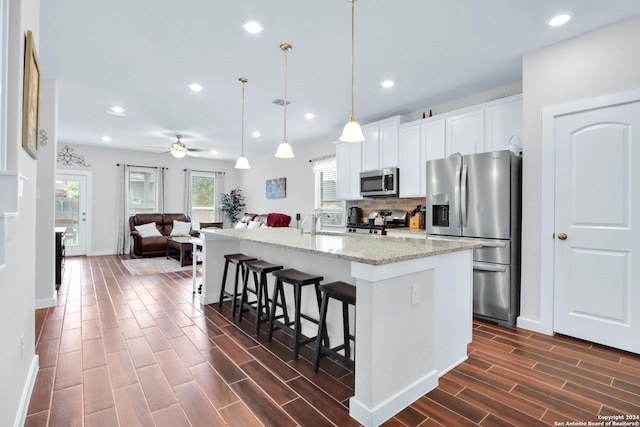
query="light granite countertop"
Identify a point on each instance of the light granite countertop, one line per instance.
(366, 249)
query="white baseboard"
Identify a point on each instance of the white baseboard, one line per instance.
(46, 303)
(100, 253)
(21, 415)
(372, 417)
(534, 325)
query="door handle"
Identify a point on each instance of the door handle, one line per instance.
(562, 236)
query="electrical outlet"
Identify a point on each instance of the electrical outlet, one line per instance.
(22, 346)
(415, 294)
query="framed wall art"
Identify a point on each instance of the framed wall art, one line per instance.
(276, 188)
(31, 98)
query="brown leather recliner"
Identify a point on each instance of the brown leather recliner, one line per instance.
(154, 245)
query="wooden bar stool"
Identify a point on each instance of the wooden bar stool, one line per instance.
(345, 293)
(298, 279)
(238, 260)
(260, 290)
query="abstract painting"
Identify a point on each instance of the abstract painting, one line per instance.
(276, 188)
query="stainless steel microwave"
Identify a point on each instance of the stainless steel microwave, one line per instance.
(379, 183)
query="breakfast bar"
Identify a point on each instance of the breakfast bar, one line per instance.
(414, 303)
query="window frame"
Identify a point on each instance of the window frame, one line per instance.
(200, 174)
(339, 210)
(149, 170)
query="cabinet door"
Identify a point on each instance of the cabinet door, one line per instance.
(388, 145)
(503, 123)
(465, 133)
(348, 159)
(355, 155)
(370, 148)
(410, 160)
(433, 147)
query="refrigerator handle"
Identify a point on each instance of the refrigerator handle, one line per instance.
(494, 268)
(463, 195)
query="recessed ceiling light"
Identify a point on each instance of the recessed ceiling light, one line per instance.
(558, 20)
(309, 116)
(387, 84)
(214, 152)
(105, 139)
(195, 87)
(255, 134)
(117, 109)
(253, 27)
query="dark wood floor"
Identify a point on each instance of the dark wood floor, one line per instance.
(129, 351)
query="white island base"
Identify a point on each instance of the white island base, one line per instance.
(414, 317)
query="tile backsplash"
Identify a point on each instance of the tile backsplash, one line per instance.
(390, 203)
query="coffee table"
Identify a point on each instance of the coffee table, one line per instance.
(184, 247)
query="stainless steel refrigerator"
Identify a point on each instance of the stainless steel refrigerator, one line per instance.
(478, 197)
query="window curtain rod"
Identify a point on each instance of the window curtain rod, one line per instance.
(194, 170)
(327, 157)
(140, 166)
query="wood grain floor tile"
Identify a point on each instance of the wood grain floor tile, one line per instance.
(91, 329)
(187, 351)
(144, 318)
(238, 414)
(155, 387)
(47, 352)
(130, 328)
(627, 403)
(196, 405)
(42, 389)
(305, 415)
(97, 388)
(121, 370)
(106, 418)
(197, 337)
(93, 354)
(171, 416)
(506, 409)
(440, 414)
(71, 341)
(132, 407)
(174, 369)
(141, 354)
(461, 407)
(39, 419)
(260, 404)
(275, 388)
(274, 364)
(69, 370)
(213, 386)
(169, 327)
(409, 417)
(66, 407)
(156, 339)
(223, 365)
(331, 409)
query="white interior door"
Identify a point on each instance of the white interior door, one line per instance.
(597, 235)
(71, 211)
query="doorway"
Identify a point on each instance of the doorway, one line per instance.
(593, 266)
(72, 209)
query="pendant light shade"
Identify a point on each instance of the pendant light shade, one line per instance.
(178, 149)
(284, 149)
(242, 162)
(352, 131)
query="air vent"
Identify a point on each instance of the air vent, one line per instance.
(280, 102)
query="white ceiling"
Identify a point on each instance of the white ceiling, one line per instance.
(142, 54)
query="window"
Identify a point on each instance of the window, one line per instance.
(203, 198)
(325, 192)
(143, 190)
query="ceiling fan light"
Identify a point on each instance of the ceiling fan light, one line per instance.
(242, 163)
(284, 151)
(352, 132)
(178, 154)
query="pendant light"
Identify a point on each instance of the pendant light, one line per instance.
(242, 162)
(284, 149)
(352, 131)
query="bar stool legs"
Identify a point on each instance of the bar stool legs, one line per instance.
(261, 290)
(238, 260)
(345, 293)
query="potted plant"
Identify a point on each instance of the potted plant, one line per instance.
(233, 204)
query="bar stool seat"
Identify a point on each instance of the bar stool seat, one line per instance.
(260, 290)
(298, 279)
(345, 293)
(238, 260)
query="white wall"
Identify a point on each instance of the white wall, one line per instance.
(102, 164)
(45, 203)
(18, 366)
(300, 180)
(601, 62)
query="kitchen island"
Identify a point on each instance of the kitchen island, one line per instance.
(414, 303)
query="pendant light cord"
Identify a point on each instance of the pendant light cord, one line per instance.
(353, 23)
(242, 133)
(285, 92)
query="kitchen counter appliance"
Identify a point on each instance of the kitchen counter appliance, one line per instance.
(378, 221)
(380, 183)
(478, 197)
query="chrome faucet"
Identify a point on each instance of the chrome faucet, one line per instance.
(315, 216)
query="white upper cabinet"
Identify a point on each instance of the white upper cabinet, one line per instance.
(503, 124)
(419, 141)
(465, 133)
(380, 147)
(348, 164)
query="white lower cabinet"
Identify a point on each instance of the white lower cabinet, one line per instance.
(348, 167)
(419, 141)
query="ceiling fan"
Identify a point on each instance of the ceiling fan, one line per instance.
(179, 149)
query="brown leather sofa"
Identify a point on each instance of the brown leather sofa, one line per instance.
(154, 245)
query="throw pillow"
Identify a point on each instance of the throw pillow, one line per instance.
(263, 225)
(180, 228)
(253, 224)
(148, 230)
(240, 225)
